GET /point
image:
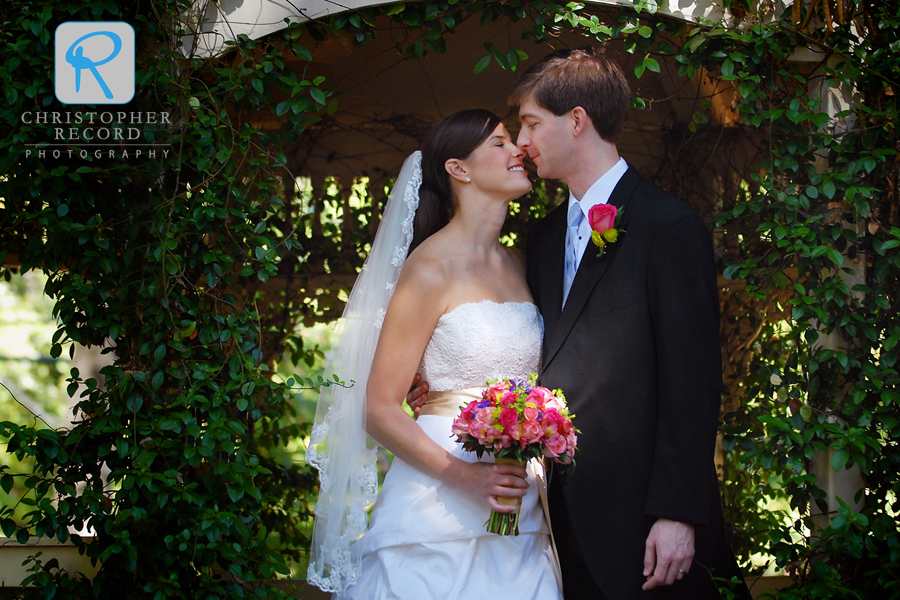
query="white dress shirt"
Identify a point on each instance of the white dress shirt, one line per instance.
(598, 193)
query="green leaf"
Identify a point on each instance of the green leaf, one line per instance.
(840, 459)
(820, 120)
(727, 67)
(640, 67)
(8, 527)
(317, 95)
(482, 63)
(501, 60)
(842, 359)
(6, 482)
(836, 257)
(779, 279)
(512, 58)
(235, 493)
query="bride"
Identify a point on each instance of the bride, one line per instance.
(439, 296)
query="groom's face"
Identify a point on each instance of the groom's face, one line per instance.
(545, 138)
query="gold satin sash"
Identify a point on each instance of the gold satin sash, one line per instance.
(451, 403)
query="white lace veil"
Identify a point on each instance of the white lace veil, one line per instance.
(339, 446)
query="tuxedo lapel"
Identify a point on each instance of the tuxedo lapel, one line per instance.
(589, 273)
(552, 259)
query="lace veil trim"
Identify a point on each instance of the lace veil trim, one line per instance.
(339, 447)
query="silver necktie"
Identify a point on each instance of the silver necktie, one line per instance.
(575, 218)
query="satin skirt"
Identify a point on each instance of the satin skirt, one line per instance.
(427, 540)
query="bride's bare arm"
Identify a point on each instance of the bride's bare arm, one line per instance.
(415, 308)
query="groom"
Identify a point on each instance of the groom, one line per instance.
(632, 338)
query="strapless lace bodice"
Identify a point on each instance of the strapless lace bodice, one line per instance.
(483, 340)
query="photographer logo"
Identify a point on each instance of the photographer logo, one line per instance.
(94, 62)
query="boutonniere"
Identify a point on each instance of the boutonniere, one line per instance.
(605, 222)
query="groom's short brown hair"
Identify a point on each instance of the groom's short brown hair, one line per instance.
(585, 77)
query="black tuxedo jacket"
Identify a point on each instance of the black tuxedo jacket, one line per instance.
(636, 351)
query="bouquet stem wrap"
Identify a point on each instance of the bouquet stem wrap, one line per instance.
(506, 523)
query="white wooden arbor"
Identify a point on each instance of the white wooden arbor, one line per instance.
(387, 103)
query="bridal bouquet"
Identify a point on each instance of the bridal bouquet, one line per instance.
(515, 421)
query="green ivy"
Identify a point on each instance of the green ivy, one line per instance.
(167, 463)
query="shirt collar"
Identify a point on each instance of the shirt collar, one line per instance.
(602, 189)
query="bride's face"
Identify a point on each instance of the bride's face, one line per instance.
(496, 167)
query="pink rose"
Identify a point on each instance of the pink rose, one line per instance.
(485, 415)
(493, 434)
(550, 427)
(532, 432)
(556, 444)
(508, 418)
(602, 217)
(478, 430)
(514, 431)
(540, 395)
(507, 399)
(469, 411)
(460, 428)
(553, 416)
(496, 391)
(531, 413)
(555, 404)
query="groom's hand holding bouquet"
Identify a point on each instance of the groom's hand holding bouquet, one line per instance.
(516, 421)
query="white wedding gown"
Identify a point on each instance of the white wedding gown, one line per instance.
(427, 539)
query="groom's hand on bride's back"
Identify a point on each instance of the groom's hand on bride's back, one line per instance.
(418, 394)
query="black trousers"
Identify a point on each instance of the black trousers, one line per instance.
(578, 583)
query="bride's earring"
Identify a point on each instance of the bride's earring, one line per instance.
(468, 180)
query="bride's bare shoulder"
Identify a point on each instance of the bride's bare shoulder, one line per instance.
(426, 266)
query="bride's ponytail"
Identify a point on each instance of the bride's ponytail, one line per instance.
(455, 136)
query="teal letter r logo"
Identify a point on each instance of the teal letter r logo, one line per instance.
(79, 61)
(93, 62)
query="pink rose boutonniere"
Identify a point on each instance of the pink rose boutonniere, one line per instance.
(604, 220)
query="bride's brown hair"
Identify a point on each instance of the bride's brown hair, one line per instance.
(455, 136)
